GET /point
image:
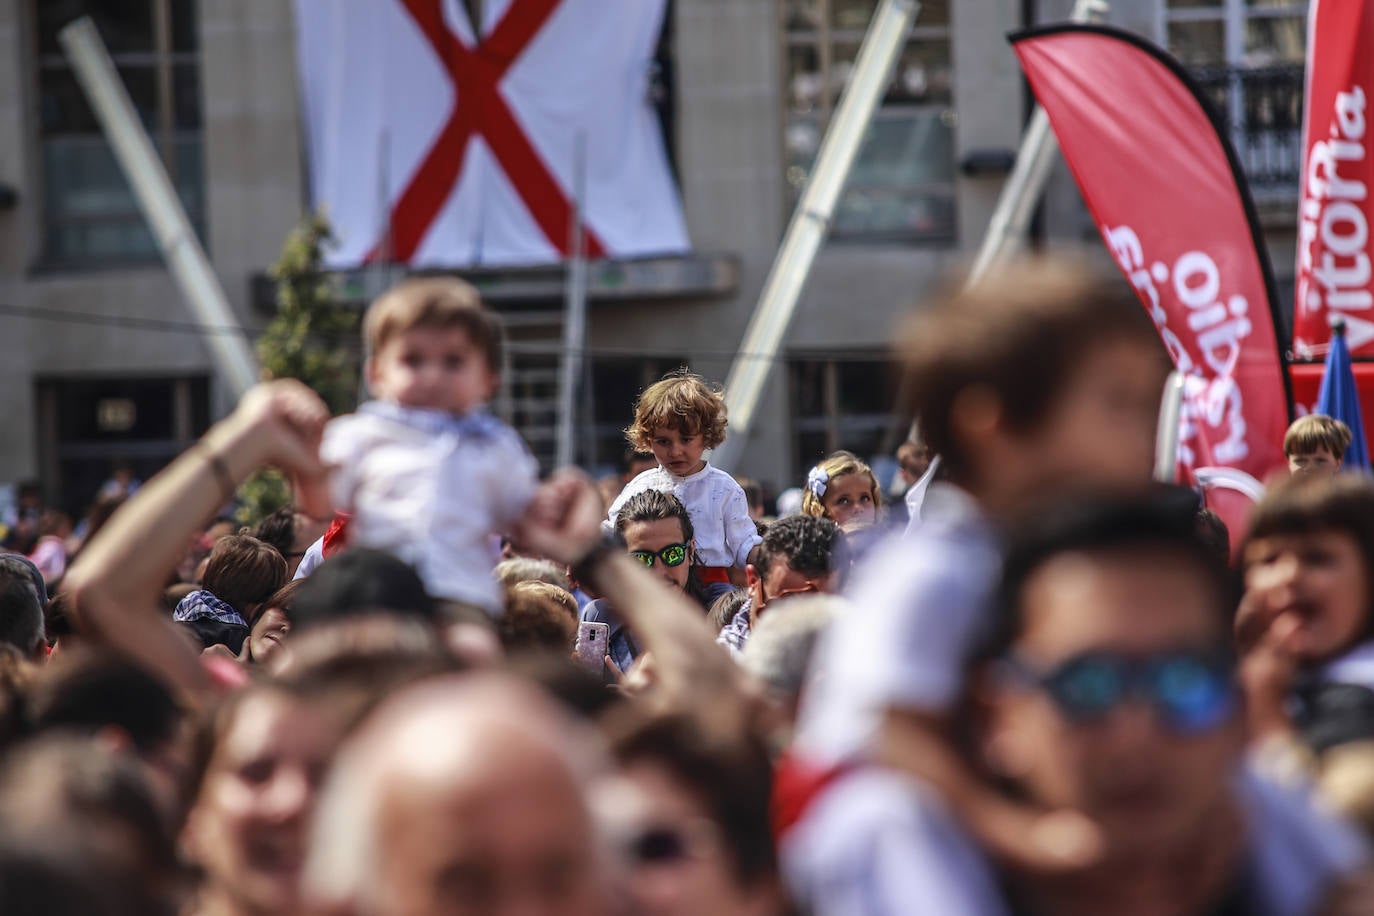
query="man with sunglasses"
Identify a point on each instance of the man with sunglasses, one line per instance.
(798, 556)
(657, 531)
(1107, 698)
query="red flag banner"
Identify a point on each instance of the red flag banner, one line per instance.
(1166, 192)
(1333, 270)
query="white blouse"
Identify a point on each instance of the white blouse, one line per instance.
(717, 506)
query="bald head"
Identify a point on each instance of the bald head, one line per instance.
(464, 794)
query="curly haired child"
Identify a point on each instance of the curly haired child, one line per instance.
(677, 419)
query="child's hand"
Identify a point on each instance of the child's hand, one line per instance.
(1268, 665)
(563, 521)
(1029, 838)
(286, 420)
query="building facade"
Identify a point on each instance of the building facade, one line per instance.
(100, 358)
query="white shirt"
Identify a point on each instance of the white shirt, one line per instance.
(314, 556)
(717, 506)
(879, 844)
(1354, 667)
(916, 494)
(925, 597)
(431, 488)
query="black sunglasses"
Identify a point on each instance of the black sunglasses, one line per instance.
(667, 844)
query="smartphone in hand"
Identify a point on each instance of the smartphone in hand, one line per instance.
(591, 648)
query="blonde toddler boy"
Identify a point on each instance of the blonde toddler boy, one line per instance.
(426, 472)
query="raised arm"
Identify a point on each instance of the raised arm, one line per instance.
(115, 586)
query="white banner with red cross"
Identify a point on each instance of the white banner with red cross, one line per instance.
(431, 147)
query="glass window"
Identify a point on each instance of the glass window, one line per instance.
(841, 404)
(616, 383)
(145, 421)
(1276, 40)
(91, 215)
(855, 14)
(1198, 43)
(1247, 57)
(902, 182)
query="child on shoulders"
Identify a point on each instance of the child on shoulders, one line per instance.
(1036, 381)
(677, 419)
(843, 489)
(426, 472)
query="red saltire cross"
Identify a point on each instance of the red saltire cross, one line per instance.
(480, 109)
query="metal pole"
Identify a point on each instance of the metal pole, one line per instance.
(180, 248)
(575, 319)
(1168, 432)
(1006, 233)
(1007, 229)
(166, 117)
(811, 220)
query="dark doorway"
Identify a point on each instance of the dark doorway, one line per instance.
(88, 424)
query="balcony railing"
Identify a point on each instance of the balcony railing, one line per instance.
(1261, 109)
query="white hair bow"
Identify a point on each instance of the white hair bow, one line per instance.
(816, 481)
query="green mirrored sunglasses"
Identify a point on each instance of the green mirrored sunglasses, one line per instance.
(672, 555)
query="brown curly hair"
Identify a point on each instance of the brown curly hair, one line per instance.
(682, 401)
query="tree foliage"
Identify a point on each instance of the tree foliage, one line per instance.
(311, 338)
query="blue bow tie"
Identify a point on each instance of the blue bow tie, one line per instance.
(476, 424)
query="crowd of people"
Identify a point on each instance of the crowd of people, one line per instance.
(1023, 680)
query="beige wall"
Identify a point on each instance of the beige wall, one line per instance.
(254, 190)
(730, 154)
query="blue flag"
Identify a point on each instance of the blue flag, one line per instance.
(1340, 400)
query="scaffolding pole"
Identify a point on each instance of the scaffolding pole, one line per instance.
(882, 43)
(575, 317)
(181, 249)
(1025, 185)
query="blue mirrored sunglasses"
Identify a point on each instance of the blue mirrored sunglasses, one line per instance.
(1191, 692)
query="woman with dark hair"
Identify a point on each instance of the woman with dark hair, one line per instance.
(256, 766)
(257, 759)
(267, 631)
(242, 574)
(657, 532)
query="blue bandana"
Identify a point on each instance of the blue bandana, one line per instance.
(202, 605)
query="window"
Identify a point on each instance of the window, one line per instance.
(90, 212)
(902, 182)
(1247, 55)
(616, 383)
(86, 423)
(841, 404)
